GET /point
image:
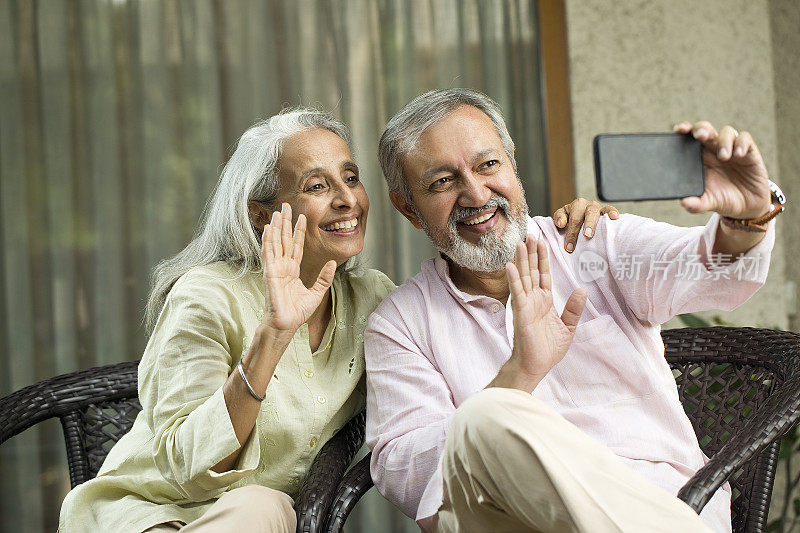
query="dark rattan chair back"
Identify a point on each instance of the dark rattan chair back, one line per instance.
(724, 376)
(96, 407)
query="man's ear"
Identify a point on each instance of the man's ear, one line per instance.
(407, 210)
(259, 214)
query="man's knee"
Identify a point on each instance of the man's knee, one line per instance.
(496, 409)
(496, 418)
(270, 505)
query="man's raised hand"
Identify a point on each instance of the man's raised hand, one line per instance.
(541, 337)
(289, 303)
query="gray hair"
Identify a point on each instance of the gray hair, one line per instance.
(405, 128)
(226, 232)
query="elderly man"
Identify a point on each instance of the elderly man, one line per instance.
(528, 395)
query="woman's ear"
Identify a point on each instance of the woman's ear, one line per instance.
(259, 214)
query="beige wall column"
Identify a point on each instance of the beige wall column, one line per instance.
(785, 19)
(644, 65)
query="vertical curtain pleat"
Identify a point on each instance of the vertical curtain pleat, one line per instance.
(55, 104)
(21, 466)
(104, 238)
(116, 117)
(127, 78)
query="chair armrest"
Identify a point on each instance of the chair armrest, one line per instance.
(62, 394)
(778, 415)
(354, 485)
(318, 489)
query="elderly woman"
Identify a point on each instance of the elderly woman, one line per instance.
(255, 358)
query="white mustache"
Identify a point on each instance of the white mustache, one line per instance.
(461, 213)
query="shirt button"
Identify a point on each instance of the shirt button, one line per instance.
(309, 374)
(495, 308)
(312, 442)
(321, 399)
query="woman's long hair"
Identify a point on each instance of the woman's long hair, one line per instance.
(225, 232)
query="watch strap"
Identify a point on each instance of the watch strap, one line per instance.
(753, 224)
(758, 224)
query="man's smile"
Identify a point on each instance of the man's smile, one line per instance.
(482, 222)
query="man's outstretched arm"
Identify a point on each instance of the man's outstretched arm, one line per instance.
(737, 184)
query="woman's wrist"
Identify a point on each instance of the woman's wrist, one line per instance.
(268, 332)
(268, 345)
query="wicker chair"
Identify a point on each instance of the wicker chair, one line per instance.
(741, 390)
(98, 406)
(739, 386)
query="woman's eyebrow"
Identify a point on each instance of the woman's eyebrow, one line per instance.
(311, 171)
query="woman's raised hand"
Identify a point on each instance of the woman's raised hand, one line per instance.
(289, 303)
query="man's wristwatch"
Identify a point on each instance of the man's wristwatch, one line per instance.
(759, 224)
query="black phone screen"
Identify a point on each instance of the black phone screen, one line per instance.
(647, 166)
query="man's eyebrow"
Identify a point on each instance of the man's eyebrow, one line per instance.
(449, 168)
(435, 170)
(484, 154)
(350, 165)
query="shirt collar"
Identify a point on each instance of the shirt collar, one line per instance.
(443, 269)
(533, 228)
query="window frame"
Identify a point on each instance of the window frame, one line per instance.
(557, 110)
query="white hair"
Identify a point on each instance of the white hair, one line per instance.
(405, 128)
(251, 174)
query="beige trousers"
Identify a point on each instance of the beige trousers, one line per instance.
(511, 463)
(248, 509)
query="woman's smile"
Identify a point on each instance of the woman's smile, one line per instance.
(345, 227)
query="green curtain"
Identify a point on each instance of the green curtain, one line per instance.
(115, 119)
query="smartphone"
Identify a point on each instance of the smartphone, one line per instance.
(647, 166)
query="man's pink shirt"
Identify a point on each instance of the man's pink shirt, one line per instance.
(429, 346)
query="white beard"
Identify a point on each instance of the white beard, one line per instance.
(493, 250)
